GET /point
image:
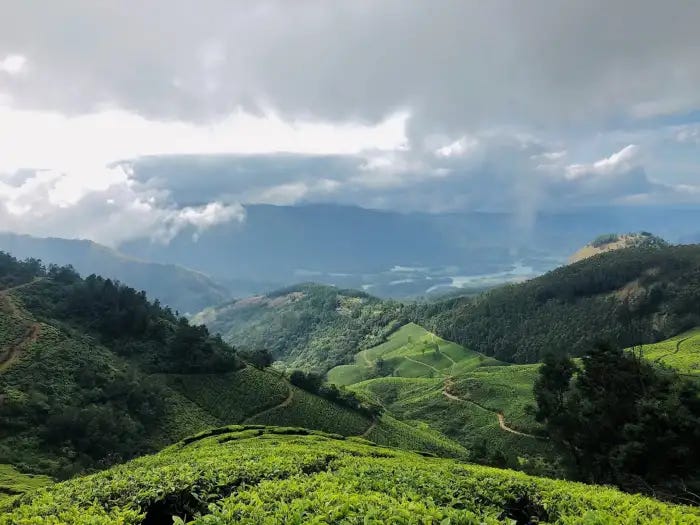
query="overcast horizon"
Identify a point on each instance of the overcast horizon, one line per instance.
(126, 121)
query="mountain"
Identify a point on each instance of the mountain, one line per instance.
(399, 255)
(176, 286)
(250, 474)
(613, 241)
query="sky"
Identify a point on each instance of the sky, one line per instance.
(126, 120)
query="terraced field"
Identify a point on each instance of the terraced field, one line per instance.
(14, 483)
(284, 475)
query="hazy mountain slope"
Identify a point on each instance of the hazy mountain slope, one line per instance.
(612, 241)
(275, 475)
(176, 286)
(354, 247)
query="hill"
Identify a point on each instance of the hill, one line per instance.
(638, 295)
(613, 241)
(176, 286)
(474, 400)
(91, 374)
(629, 296)
(255, 474)
(308, 326)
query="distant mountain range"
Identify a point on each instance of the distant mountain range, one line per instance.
(399, 255)
(388, 254)
(182, 289)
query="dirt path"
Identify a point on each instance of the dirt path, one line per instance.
(285, 403)
(424, 364)
(678, 349)
(369, 429)
(499, 415)
(9, 358)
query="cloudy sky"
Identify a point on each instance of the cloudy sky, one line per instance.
(129, 119)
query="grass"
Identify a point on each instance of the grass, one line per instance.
(14, 483)
(681, 352)
(285, 475)
(411, 351)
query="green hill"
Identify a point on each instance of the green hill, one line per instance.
(286, 475)
(640, 294)
(681, 352)
(92, 374)
(411, 351)
(308, 326)
(628, 296)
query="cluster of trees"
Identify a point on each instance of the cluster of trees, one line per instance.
(128, 323)
(623, 420)
(313, 382)
(14, 272)
(321, 327)
(630, 296)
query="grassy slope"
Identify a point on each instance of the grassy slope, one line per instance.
(413, 392)
(408, 352)
(275, 475)
(681, 352)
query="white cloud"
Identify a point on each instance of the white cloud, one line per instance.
(13, 65)
(457, 148)
(621, 161)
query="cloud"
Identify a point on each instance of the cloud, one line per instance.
(13, 65)
(142, 117)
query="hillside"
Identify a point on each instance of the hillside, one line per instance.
(92, 374)
(274, 475)
(628, 296)
(176, 286)
(307, 326)
(470, 398)
(612, 241)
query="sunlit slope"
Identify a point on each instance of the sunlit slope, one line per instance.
(413, 352)
(681, 352)
(285, 475)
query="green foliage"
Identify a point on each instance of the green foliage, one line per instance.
(681, 352)
(287, 475)
(624, 420)
(310, 327)
(14, 483)
(629, 296)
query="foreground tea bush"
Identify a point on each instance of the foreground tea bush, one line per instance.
(252, 474)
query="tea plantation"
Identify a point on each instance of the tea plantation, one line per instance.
(252, 474)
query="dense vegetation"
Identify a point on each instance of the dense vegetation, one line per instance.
(91, 374)
(629, 296)
(310, 327)
(286, 475)
(625, 420)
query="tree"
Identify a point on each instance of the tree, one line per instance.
(624, 420)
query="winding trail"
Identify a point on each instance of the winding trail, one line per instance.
(424, 364)
(499, 415)
(678, 349)
(285, 403)
(369, 429)
(11, 355)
